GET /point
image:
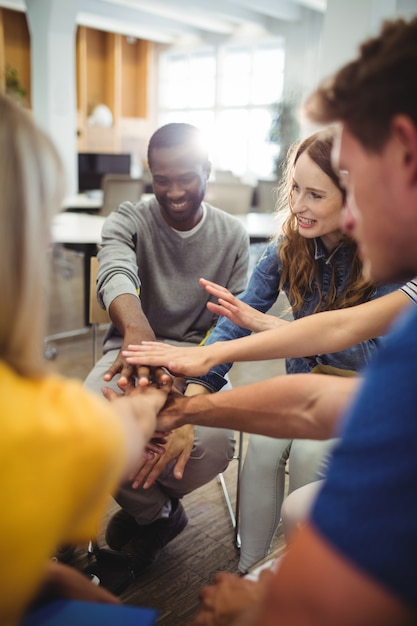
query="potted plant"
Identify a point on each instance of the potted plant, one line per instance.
(13, 85)
(284, 129)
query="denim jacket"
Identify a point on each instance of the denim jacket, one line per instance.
(262, 292)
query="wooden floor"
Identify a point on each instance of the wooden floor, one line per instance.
(206, 545)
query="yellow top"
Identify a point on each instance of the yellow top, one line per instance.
(62, 452)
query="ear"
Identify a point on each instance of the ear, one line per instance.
(404, 133)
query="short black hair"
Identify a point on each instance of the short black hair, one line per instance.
(176, 134)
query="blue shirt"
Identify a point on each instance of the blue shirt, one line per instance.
(262, 292)
(367, 508)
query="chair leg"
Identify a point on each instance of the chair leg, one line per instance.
(237, 508)
(234, 514)
(221, 480)
(94, 333)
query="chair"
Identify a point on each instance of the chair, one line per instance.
(234, 514)
(267, 195)
(118, 188)
(97, 315)
(233, 197)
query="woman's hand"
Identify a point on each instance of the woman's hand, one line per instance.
(237, 311)
(180, 361)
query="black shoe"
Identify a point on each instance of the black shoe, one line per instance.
(65, 553)
(149, 540)
(120, 530)
(110, 569)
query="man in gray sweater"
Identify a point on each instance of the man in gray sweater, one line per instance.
(150, 260)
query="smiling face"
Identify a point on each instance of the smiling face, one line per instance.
(179, 182)
(316, 202)
(382, 201)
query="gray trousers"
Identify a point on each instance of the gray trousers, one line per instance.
(263, 484)
(212, 450)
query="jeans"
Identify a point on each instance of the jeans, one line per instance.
(263, 487)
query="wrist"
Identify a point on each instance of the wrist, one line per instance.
(195, 409)
(135, 332)
(195, 389)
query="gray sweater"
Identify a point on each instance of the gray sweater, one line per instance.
(141, 254)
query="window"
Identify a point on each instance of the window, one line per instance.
(227, 92)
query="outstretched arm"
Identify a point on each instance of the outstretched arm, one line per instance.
(298, 406)
(326, 332)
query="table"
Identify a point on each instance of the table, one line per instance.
(83, 202)
(82, 232)
(260, 226)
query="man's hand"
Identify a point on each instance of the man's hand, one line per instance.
(137, 411)
(179, 445)
(126, 313)
(131, 375)
(127, 372)
(231, 601)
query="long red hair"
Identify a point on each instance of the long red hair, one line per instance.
(296, 252)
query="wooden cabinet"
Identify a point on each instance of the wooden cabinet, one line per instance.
(111, 69)
(15, 54)
(134, 76)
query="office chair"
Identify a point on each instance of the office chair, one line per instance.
(97, 315)
(267, 195)
(118, 188)
(233, 197)
(234, 514)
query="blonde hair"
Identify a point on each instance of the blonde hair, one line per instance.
(300, 270)
(31, 183)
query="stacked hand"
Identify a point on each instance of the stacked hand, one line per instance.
(164, 446)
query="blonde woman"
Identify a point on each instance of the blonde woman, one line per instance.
(51, 428)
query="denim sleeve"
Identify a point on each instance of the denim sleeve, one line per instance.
(261, 293)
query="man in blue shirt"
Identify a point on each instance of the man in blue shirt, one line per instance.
(354, 561)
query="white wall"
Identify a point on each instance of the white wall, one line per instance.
(52, 26)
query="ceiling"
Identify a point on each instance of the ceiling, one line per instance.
(167, 21)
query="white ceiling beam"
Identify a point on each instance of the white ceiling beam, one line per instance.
(124, 28)
(165, 21)
(278, 9)
(316, 5)
(223, 9)
(187, 12)
(121, 13)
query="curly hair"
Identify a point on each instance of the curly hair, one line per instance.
(300, 270)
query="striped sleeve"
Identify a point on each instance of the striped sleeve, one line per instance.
(410, 289)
